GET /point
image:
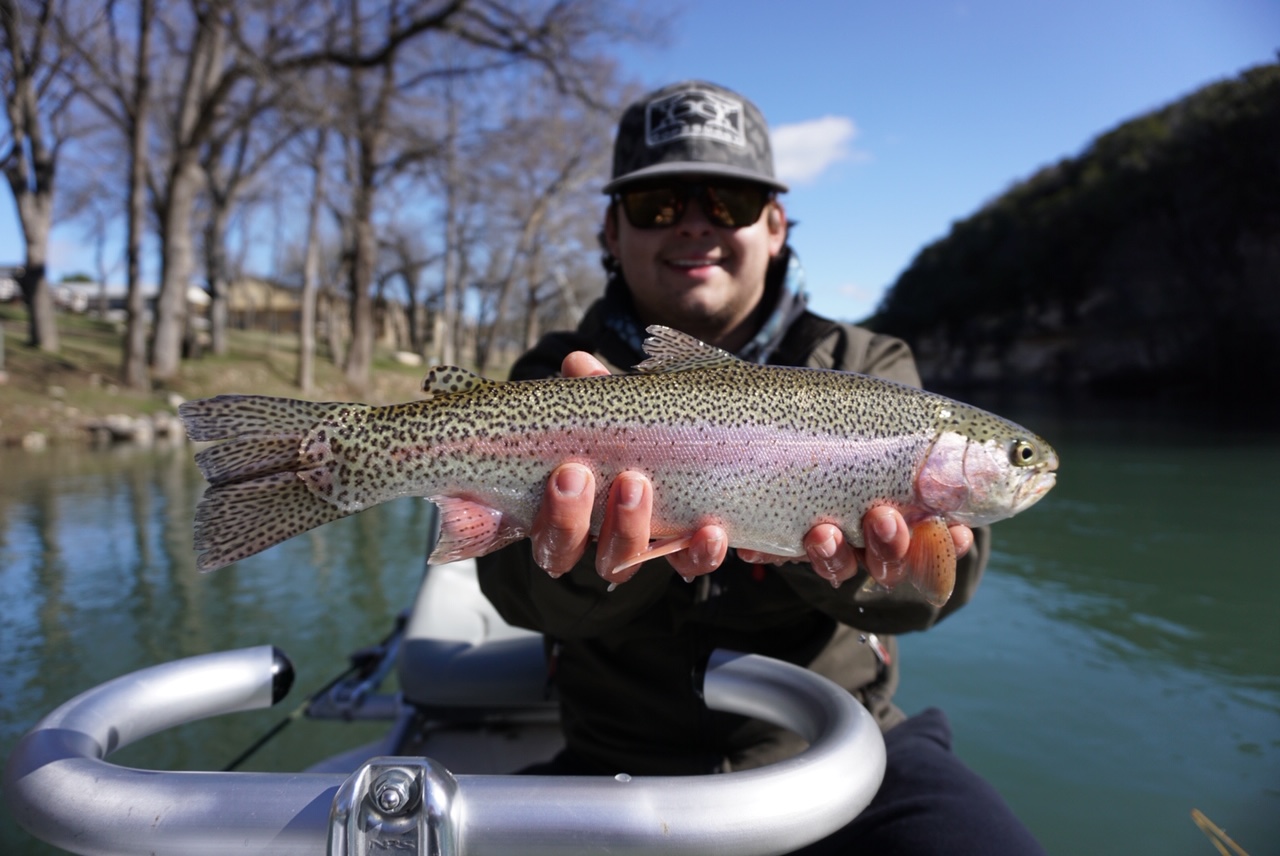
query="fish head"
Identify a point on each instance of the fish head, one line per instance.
(981, 468)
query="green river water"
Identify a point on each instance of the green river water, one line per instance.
(1119, 667)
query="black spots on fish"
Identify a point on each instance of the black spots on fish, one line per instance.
(320, 480)
(237, 520)
(227, 416)
(451, 380)
(316, 449)
(976, 424)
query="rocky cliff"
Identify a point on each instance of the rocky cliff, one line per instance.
(1149, 264)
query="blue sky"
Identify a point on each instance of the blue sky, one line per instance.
(894, 119)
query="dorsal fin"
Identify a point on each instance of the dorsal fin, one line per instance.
(446, 380)
(672, 351)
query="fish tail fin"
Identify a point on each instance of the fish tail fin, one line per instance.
(238, 519)
(931, 560)
(267, 480)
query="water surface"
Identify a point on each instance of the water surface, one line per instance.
(1119, 667)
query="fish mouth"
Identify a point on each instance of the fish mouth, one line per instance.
(1033, 490)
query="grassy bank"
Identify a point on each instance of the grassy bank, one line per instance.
(58, 394)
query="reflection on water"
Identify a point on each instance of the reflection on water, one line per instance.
(99, 579)
(1119, 667)
(1121, 662)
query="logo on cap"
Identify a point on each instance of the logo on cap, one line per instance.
(694, 113)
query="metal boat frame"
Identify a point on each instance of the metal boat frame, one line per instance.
(429, 788)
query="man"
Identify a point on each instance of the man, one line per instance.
(696, 239)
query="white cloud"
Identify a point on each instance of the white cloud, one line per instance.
(804, 150)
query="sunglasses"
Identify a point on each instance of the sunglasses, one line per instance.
(728, 204)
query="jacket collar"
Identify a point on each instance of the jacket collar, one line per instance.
(615, 314)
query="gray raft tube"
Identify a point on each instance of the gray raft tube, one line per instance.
(61, 789)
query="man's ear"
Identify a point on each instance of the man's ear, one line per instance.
(776, 222)
(611, 229)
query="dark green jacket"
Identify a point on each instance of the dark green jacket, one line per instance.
(626, 663)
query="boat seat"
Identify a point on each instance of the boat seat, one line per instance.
(460, 658)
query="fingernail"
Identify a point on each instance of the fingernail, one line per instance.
(541, 553)
(630, 493)
(886, 527)
(709, 551)
(826, 549)
(571, 481)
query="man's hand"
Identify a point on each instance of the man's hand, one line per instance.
(887, 537)
(561, 529)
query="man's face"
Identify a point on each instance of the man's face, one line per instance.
(695, 275)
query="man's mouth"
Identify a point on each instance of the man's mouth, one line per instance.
(693, 263)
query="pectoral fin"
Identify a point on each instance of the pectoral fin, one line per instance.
(469, 529)
(931, 560)
(656, 550)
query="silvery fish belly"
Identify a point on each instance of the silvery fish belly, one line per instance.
(766, 452)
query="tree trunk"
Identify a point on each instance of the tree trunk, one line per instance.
(218, 271)
(178, 253)
(30, 166)
(444, 336)
(190, 131)
(487, 337)
(364, 247)
(42, 322)
(134, 366)
(360, 354)
(311, 271)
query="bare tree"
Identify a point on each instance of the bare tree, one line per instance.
(201, 44)
(407, 258)
(384, 60)
(116, 78)
(205, 67)
(133, 101)
(311, 265)
(444, 336)
(38, 99)
(86, 193)
(231, 160)
(538, 171)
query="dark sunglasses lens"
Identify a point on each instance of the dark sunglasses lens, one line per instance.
(728, 205)
(654, 209)
(734, 205)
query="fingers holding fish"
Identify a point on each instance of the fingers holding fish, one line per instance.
(624, 533)
(561, 528)
(707, 550)
(830, 555)
(582, 364)
(888, 539)
(826, 549)
(963, 537)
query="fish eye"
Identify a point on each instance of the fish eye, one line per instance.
(1024, 453)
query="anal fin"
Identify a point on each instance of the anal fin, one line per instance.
(469, 529)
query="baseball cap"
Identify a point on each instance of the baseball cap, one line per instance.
(692, 128)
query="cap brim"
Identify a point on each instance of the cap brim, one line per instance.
(692, 168)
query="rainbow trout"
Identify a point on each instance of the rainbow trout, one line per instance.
(766, 452)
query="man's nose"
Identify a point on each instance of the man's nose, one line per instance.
(695, 220)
